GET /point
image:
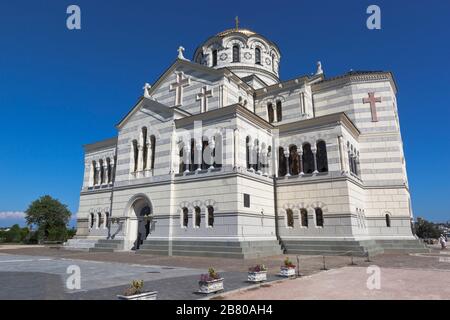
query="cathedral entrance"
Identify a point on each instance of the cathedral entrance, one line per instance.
(140, 221)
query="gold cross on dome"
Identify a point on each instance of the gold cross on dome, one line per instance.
(237, 22)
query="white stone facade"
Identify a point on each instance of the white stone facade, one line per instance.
(317, 158)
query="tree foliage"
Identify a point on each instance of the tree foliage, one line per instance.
(50, 216)
(426, 229)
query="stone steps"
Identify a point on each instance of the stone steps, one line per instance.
(403, 246)
(79, 244)
(106, 245)
(327, 247)
(238, 250)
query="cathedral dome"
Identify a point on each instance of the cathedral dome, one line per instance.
(244, 52)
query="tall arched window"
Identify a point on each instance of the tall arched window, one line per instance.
(153, 148)
(279, 111)
(185, 217)
(322, 160)
(193, 165)
(95, 173)
(210, 216)
(214, 58)
(105, 225)
(144, 148)
(270, 113)
(102, 172)
(294, 164)
(109, 167)
(257, 55)
(182, 165)
(319, 217)
(99, 220)
(236, 53)
(255, 157)
(205, 157)
(198, 217)
(273, 62)
(307, 159)
(290, 218)
(135, 155)
(388, 220)
(218, 147)
(281, 162)
(304, 217)
(247, 152)
(91, 222)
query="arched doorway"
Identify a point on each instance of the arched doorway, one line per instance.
(140, 221)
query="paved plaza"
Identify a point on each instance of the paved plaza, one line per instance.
(41, 273)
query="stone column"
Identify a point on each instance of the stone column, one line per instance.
(236, 149)
(199, 159)
(211, 146)
(269, 164)
(112, 165)
(341, 154)
(140, 158)
(91, 174)
(105, 172)
(286, 155)
(300, 160)
(148, 165)
(98, 173)
(187, 158)
(314, 151)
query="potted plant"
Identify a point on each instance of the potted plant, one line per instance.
(257, 273)
(210, 282)
(288, 269)
(135, 292)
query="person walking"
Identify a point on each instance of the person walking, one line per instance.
(442, 242)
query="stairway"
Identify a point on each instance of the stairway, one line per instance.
(238, 250)
(333, 248)
(403, 246)
(80, 244)
(107, 245)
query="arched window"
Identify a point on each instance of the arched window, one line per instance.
(255, 157)
(198, 217)
(108, 165)
(91, 222)
(247, 152)
(319, 217)
(290, 218)
(185, 217)
(106, 219)
(270, 113)
(236, 53)
(135, 155)
(153, 149)
(273, 62)
(99, 220)
(95, 173)
(304, 217)
(388, 220)
(205, 157)
(218, 147)
(144, 148)
(307, 159)
(210, 216)
(281, 162)
(102, 172)
(279, 111)
(322, 160)
(192, 164)
(182, 165)
(214, 58)
(257, 55)
(294, 164)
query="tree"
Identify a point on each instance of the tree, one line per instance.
(50, 216)
(426, 229)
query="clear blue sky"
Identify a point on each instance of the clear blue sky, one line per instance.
(60, 89)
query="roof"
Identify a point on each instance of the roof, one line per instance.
(100, 145)
(247, 32)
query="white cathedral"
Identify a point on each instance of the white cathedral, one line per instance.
(221, 158)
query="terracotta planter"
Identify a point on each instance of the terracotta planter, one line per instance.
(151, 295)
(211, 286)
(287, 272)
(257, 276)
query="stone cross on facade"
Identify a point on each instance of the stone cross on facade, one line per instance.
(373, 109)
(203, 97)
(178, 86)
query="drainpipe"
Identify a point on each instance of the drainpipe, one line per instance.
(113, 181)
